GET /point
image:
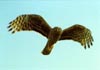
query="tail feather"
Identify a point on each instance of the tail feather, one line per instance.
(47, 50)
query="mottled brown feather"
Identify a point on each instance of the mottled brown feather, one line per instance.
(30, 22)
(78, 33)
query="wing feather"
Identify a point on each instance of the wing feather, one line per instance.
(29, 22)
(78, 33)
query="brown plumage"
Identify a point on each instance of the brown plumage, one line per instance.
(33, 22)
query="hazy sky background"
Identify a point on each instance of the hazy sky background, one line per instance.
(22, 50)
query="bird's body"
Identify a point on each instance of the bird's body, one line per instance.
(53, 37)
(36, 23)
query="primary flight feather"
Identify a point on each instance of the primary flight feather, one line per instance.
(29, 22)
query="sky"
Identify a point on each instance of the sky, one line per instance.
(22, 50)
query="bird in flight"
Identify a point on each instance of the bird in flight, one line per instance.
(34, 22)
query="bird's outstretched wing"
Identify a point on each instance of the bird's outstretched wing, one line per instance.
(78, 33)
(29, 22)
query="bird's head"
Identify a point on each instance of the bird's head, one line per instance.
(57, 29)
(55, 32)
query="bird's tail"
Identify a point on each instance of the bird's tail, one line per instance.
(47, 49)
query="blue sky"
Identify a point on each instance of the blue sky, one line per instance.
(22, 50)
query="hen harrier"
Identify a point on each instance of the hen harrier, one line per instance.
(33, 22)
